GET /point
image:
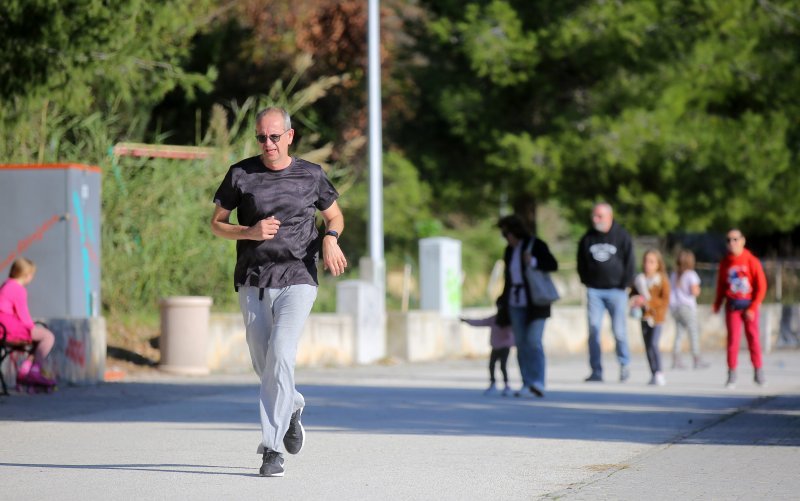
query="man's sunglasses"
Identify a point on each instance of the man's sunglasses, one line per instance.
(262, 138)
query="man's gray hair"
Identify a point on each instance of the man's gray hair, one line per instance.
(287, 120)
(604, 205)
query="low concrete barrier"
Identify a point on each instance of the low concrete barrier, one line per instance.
(566, 331)
(327, 340)
(79, 354)
(415, 336)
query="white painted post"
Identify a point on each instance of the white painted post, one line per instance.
(362, 301)
(440, 275)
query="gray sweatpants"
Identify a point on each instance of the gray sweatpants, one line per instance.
(273, 326)
(686, 320)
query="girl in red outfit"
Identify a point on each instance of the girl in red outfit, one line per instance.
(742, 284)
(19, 326)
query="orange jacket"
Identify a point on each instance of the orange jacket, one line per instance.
(658, 304)
(741, 277)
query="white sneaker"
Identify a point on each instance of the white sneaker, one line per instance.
(659, 378)
(491, 390)
(506, 391)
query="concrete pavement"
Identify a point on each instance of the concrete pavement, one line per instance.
(416, 431)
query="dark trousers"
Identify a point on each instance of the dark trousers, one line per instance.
(500, 354)
(651, 337)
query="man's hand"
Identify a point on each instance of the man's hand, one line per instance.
(333, 257)
(264, 229)
(749, 314)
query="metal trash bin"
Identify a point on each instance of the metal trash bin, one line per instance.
(184, 335)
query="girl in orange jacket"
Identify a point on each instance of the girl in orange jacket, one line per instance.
(652, 295)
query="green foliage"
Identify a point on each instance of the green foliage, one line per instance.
(156, 237)
(680, 113)
(86, 56)
(406, 202)
(684, 141)
(496, 44)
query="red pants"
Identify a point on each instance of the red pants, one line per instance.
(734, 320)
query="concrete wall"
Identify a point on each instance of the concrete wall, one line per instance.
(79, 355)
(566, 332)
(327, 340)
(419, 335)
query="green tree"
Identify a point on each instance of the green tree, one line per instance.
(678, 112)
(62, 61)
(693, 130)
(85, 55)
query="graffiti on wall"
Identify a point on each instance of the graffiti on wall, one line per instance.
(86, 238)
(83, 226)
(452, 286)
(26, 242)
(76, 351)
(79, 352)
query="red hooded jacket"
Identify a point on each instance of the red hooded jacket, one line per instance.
(741, 277)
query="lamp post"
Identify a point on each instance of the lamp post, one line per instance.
(374, 271)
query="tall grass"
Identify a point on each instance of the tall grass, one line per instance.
(156, 212)
(156, 238)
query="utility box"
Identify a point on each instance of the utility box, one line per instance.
(50, 213)
(440, 275)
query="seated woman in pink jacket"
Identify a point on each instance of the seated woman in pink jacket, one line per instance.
(19, 326)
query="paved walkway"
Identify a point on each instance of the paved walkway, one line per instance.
(415, 431)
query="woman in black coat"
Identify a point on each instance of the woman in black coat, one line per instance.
(527, 319)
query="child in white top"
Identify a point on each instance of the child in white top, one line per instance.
(685, 287)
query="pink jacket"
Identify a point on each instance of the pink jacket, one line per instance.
(500, 337)
(14, 304)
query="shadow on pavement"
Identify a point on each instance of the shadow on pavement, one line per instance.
(649, 418)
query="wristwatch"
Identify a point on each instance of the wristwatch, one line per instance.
(332, 233)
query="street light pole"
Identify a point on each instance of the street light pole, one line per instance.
(376, 267)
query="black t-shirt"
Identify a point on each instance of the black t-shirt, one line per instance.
(293, 196)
